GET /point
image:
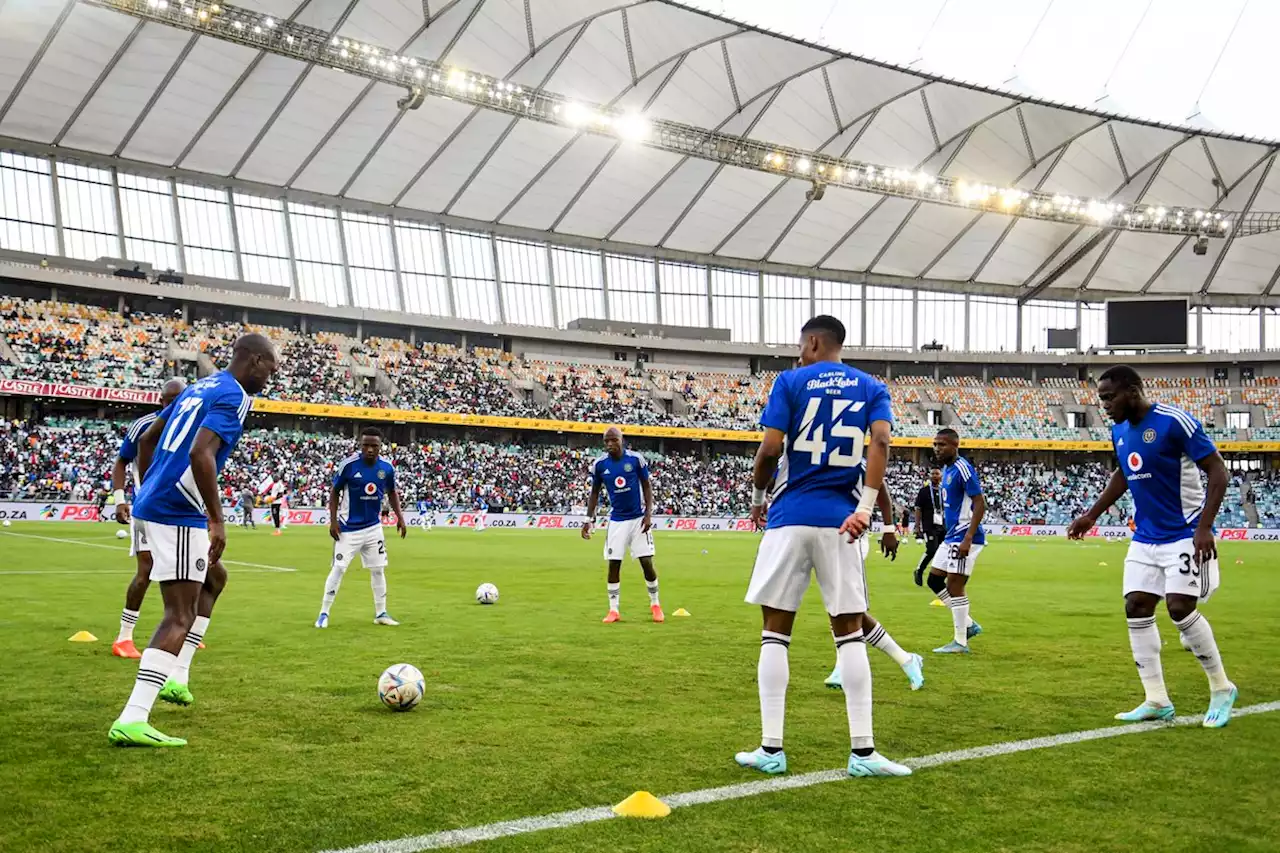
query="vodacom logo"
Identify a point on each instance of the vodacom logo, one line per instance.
(1135, 461)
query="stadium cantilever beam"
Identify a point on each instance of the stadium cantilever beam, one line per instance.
(423, 77)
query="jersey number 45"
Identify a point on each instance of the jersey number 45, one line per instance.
(814, 432)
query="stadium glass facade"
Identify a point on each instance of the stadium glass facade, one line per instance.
(335, 257)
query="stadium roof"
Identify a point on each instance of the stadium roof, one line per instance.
(107, 86)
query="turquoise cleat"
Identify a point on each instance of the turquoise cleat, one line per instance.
(876, 764)
(1148, 711)
(833, 680)
(914, 669)
(972, 631)
(772, 763)
(952, 648)
(1220, 705)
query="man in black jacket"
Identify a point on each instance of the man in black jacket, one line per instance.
(929, 521)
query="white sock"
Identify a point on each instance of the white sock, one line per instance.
(855, 675)
(615, 596)
(378, 582)
(1199, 636)
(182, 672)
(653, 591)
(880, 638)
(945, 598)
(1144, 639)
(331, 586)
(773, 673)
(128, 619)
(960, 617)
(153, 671)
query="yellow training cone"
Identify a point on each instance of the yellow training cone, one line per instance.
(936, 603)
(642, 804)
(82, 637)
(681, 612)
(1101, 564)
(1239, 562)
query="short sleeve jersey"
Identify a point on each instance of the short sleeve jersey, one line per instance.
(621, 478)
(362, 487)
(129, 444)
(169, 494)
(1158, 457)
(960, 485)
(825, 411)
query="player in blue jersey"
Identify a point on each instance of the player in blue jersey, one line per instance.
(815, 428)
(624, 474)
(124, 470)
(179, 458)
(360, 483)
(1161, 452)
(963, 506)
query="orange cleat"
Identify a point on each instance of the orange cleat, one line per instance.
(201, 646)
(125, 649)
(656, 610)
(613, 616)
(275, 532)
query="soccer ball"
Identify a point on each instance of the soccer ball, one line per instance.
(401, 687)
(487, 593)
(8, 523)
(122, 534)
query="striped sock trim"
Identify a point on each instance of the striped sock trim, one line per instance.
(150, 676)
(194, 639)
(1136, 624)
(1189, 622)
(768, 637)
(877, 634)
(944, 597)
(962, 601)
(855, 637)
(129, 617)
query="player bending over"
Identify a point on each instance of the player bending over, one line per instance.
(818, 415)
(125, 468)
(625, 475)
(179, 458)
(1172, 555)
(875, 634)
(963, 506)
(360, 482)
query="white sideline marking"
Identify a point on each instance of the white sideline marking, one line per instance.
(578, 817)
(118, 548)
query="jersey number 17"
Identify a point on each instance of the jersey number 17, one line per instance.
(813, 434)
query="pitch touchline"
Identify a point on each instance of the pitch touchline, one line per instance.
(117, 548)
(577, 817)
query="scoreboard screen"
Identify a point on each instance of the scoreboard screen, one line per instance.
(1139, 323)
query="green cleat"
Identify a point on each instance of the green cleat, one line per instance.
(833, 680)
(140, 734)
(177, 694)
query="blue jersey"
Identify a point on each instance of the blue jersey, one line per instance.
(825, 410)
(959, 487)
(622, 478)
(169, 494)
(363, 487)
(1158, 457)
(129, 444)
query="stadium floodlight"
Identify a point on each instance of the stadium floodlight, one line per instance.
(424, 77)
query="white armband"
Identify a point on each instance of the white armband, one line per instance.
(757, 496)
(867, 503)
(118, 494)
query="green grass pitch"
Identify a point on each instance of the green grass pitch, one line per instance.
(533, 706)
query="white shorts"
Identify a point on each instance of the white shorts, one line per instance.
(370, 545)
(137, 536)
(1169, 569)
(788, 555)
(946, 559)
(621, 535)
(177, 553)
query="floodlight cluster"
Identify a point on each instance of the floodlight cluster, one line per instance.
(424, 76)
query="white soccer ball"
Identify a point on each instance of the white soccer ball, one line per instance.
(122, 534)
(400, 687)
(8, 523)
(487, 593)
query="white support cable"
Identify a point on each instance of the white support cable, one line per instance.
(313, 46)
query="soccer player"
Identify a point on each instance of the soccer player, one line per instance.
(179, 458)
(929, 521)
(124, 467)
(276, 494)
(816, 420)
(625, 475)
(360, 483)
(875, 634)
(963, 506)
(246, 508)
(1172, 555)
